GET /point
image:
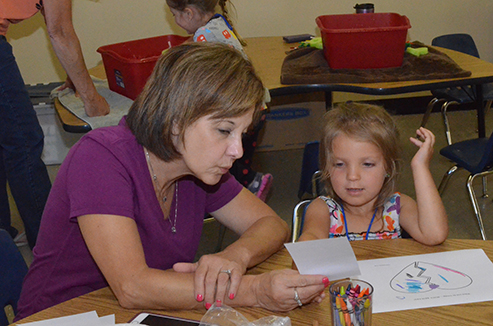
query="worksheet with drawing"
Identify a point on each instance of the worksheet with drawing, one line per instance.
(429, 280)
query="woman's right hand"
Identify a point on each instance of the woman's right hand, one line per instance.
(276, 290)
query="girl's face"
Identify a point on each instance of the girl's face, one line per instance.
(357, 172)
(212, 145)
(189, 19)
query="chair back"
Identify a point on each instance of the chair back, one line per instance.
(298, 218)
(13, 269)
(309, 166)
(487, 159)
(458, 42)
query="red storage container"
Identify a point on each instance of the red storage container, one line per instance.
(128, 65)
(364, 41)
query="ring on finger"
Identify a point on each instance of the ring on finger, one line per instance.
(227, 271)
(297, 298)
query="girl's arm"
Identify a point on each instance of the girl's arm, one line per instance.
(316, 224)
(426, 219)
(115, 245)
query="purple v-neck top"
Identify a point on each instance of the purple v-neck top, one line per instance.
(106, 173)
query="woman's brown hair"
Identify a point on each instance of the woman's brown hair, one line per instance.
(191, 81)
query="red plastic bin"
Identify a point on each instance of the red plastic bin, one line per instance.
(128, 65)
(364, 41)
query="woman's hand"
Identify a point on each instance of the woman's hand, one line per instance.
(277, 290)
(215, 277)
(94, 106)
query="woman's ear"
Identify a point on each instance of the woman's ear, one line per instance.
(175, 130)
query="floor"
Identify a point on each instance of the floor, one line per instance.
(286, 166)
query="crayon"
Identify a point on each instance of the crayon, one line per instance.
(345, 312)
(351, 313)
(339, 309)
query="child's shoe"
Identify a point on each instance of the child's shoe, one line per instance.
(260, 186)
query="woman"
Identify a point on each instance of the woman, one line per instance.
(128, 203)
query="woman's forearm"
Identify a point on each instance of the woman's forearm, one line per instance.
(157, 289)
(264, 238)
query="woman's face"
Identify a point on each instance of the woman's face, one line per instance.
(357, 172)
(212, 145)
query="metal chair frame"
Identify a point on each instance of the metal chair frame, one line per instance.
(470, 191)
(467, 91)
(298, 217)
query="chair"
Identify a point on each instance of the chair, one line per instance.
(298, 217)
(13, 268)
(460, 95)
(310, 174)
(475, 156)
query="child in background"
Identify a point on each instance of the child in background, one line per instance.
(198, 17)
(359, 155)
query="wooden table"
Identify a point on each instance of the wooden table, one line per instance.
(104, 303)
(268, 53)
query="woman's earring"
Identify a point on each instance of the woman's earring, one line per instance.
(387, 175)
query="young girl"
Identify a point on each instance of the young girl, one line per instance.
(199, 17)
(360, 163)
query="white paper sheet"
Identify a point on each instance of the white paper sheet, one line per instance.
(84, 319)
(333, 258)
(430, 280)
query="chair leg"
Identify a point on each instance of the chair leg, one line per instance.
(446, 178)
(485, 188)
(429, 108)
(475, 204)
(445, 120)
(487, 106)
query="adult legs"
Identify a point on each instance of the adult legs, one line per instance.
(21, 146)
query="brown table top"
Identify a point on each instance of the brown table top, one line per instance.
(104, 302)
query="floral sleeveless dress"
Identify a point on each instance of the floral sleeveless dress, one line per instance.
(390, 216)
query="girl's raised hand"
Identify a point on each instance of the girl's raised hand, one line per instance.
(425, 143)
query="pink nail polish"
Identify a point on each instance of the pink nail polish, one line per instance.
(200, 297)
(325, 280)
(219, 303)
(207, 305)
(231, 296)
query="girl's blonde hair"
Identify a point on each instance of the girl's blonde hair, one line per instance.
(207, 6)
(191, 81)
(365, 122)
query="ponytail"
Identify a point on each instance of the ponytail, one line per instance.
(222, 4)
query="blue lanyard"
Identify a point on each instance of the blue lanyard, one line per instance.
(345, 223)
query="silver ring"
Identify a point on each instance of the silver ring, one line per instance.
(227, 271)
(297, 298)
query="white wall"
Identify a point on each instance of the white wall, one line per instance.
(101, 22)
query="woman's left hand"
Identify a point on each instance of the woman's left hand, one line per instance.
(215, 277)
